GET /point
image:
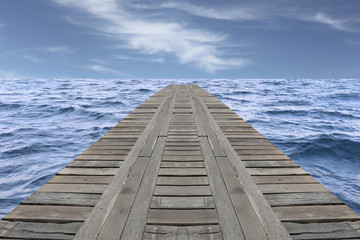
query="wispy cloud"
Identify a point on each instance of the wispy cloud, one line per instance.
(260, 11)
(99, 68)
(145, 59)
(237, 13)
(59, 49)
(154, 36)
(31, 58)
(339, 24)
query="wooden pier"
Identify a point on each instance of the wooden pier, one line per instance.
(182, 165)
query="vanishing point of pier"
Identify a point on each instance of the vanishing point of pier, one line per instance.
(182, 165)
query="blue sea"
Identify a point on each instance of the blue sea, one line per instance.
(46, 123)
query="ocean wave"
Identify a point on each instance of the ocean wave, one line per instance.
(45, 123)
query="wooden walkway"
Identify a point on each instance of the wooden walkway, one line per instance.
(182, 165)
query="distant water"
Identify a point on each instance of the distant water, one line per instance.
(46, 123)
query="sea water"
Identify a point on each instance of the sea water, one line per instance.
(46, 123)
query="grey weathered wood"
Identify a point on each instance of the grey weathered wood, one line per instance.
(328, 230)
(135, 225)
(69, 199)
(269, 164)
(276, 171)
(182, 191)
(271, 224)
(183, 153)
(327, 213)
(73, 188)
(34, 213)
(81, 179)
(182, 202)
(97, 218)
(228, 221)
(182, 165)
(105, 152)
(294, 199)
(88, 171)
(186, 180)
(182, 172)
(182, 217)
(101, 164)
(283, 179)
(182, 158)
(292, 188)
(34, 230)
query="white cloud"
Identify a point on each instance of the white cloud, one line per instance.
(236, 13)
(32, 58)
(99, 68)
(339, 24)
(145, 59)
(260, 11)
(149, 36)
(59, 49)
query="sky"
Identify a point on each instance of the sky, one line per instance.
(179, 39)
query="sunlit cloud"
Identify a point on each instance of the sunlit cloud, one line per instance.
(156, 36)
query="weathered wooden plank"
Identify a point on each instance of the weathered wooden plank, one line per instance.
(183, 153)
(182, 202)
(295, 199)
(98, 164)
(269, 164)
(292, 188)
(69, 199)
(111, 147)
(182, 158)
(259, 152)
(106, 152)
(182, 172)
(182, 143)
(227, 217)
(182, 230)
(326, 213)
(182, 165)
(81, 179)
(283, 179)
(171, 181)
(101, 157)
(34, 230)
(254, 147)
(195, 236)
(276, 171)
(181, 148)
(46, 214)
(102, 211)
(88, 171)
(263, 157)
(182, 191)
(73, 188)
(136, 222)
(182, 217)
(328, 230)
(271, 224)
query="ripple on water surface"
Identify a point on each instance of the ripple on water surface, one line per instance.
(45, 123)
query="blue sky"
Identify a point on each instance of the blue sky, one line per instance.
(179, 39)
